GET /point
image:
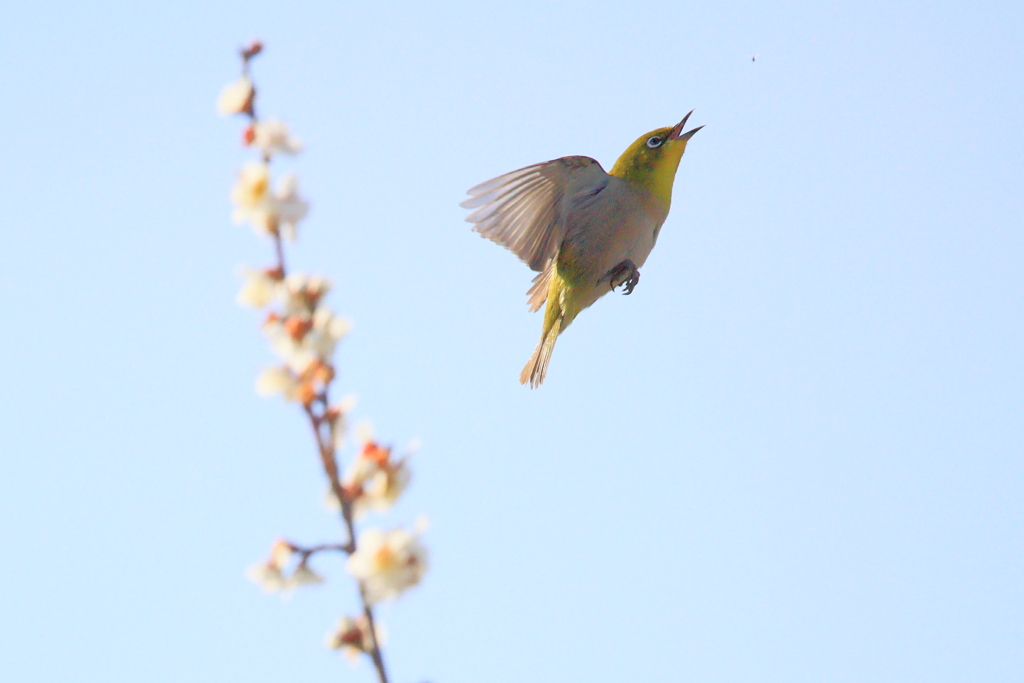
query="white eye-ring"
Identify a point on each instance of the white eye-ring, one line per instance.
(654, 141)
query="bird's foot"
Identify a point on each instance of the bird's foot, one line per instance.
(626, 273)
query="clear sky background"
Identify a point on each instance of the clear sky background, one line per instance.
(793, 454)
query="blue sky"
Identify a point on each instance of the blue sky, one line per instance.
(793, 454)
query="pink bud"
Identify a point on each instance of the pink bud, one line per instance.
(253, 49)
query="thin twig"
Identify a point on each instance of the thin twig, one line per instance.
(328, 457)
(330, 464)
(306, 553)
(279, 249)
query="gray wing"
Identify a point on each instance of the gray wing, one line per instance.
(524, 210)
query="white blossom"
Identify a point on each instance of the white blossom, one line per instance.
(361, 469)
(272, 137)
(267, 575)
(236, 97)
(331, 501)
(299, 340)
(383, 488)
(304, 292)
(303, 576)
(364, 433)
(281, 552)
(252, 198)
(388, 562)
(378, 480)
(352, 636)
(270, 575)
(277, 380)
(259, 287)
(285, 345)
(338, 416)
(267, 211)
(289, 205)
(328, 330)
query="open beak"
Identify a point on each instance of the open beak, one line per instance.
(677, 132)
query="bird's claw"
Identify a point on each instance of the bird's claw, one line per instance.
(626, 273)
(631, 282)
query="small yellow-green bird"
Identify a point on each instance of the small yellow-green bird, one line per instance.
(585, 231)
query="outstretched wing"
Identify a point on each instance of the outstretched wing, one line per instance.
(524, 210)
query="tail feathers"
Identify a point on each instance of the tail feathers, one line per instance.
(537, 367)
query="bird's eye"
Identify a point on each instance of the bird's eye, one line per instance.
(654, 141)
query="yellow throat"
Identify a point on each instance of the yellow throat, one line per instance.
(652, 160)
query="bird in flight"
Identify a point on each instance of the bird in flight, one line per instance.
(586, 232)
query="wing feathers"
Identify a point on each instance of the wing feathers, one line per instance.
(522, 210)
(538, 293)
(494, 183)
